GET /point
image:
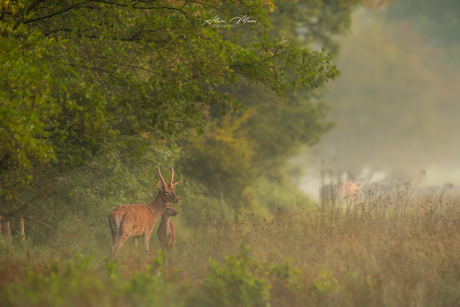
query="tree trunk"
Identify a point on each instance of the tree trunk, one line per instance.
(21, 227)
(6, 224)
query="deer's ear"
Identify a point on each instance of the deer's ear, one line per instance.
(174, 184)
(159, 185)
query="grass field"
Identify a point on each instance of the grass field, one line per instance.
(382, 249)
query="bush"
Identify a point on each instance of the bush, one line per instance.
(239, 281)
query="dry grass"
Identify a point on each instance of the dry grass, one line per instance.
(384, 249)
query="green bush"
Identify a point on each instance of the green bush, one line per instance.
(239, 281)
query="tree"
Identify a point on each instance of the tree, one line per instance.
(84, 75)
(222, 159)
(278, 126)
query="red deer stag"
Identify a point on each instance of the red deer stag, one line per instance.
(167, 231)
(349, 190)
(138, 220)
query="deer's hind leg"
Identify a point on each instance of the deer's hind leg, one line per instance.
(124, 232)
(112, 230)
(119, 243)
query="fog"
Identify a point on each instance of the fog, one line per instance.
(396, 108)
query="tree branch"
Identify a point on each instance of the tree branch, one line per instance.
(57, 13)
(31, 219)
(34, 5)
(141, 7)
(28, 203)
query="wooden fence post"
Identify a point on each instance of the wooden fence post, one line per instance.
(21, 227)
(7, 232)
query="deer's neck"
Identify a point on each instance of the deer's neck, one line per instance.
(159, 206)
(165, 224)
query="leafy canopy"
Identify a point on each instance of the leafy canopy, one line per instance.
(80, 74)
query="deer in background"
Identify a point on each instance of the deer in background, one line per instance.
(349, 190)
(138, 220)
(167, 231)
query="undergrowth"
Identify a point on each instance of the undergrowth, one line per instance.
(377, 250)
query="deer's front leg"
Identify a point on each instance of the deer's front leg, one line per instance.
(135, 241)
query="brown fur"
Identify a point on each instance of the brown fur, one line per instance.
(138, 220)
(349, 190)
(167, 232)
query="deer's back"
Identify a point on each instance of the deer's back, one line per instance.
(134, 217)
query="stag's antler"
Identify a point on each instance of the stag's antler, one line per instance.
(161, 177)
(172, 175)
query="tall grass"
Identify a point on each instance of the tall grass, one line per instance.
(389, 247)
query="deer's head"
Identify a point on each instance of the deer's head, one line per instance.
(168, 194)
(170, 211)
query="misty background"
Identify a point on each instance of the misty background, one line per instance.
(396, 105)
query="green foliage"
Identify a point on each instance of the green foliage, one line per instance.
(222, 159)
(147, 288)
(240, 158)
(276, 127)
(79, 201)
(337, 257)
(246, 280)
(279, 127)
(26, 102)
(309, 22)
(287, 276)
(3, 243)
(241, 280)
(200, 205)
(59, 285)
(327, 284)
(306, 20)
(238, 282)
(109, 76)
(102, 87)
(77, 282)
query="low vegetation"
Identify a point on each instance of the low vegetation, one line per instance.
(383, 249)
